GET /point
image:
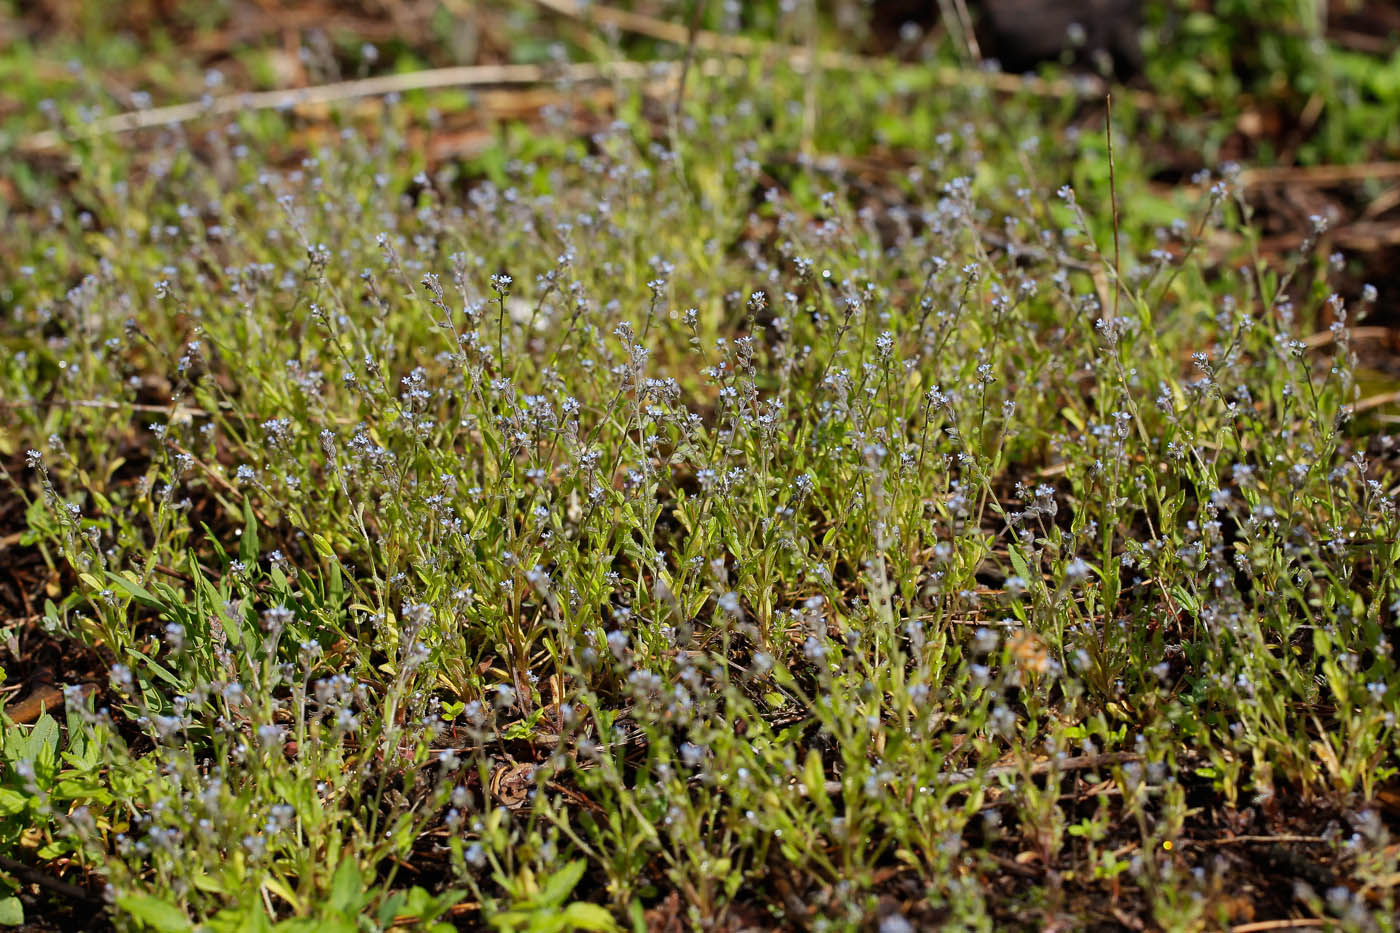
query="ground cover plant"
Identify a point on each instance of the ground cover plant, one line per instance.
(690, 509)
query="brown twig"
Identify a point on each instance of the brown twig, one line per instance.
(1078, 763)
(1014, 867)
(697, 8)
(799, 59)
(35, 705)
(1362, 236)
(1252, 840)
(1382, 203)
(1374, 401)
(34, 876)
(1324, 337)
(429, 79)
(1317, 175)
(219, 481)
(1299, 923)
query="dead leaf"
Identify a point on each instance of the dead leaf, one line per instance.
(511, 784)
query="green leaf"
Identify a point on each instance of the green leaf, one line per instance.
(316, 925)
(336, 925)
(347, 889)
(525, 728)
(335, 589)
(11, 912)
(132, 589)
(582, 915)
(561, 884)
(248, 545)
(153, 912)
(509, 920)
(251, 919)
(60, 846)
(1018, 563)
(164, 673)
(391, 907)
(415, 903)
(208, 883)
(815, 778)
(42, 745)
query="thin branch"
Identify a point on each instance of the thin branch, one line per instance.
(34, 876)
(1374, 401)
(1323, 337)
(799, 59)
(41, 701)
(1258, 840)
(460, 76)
(1300, 923)
(969, 34)
(1113, 196)
(697, 8)
(1318, 175)
(1078, 763)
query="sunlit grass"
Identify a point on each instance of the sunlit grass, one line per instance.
(664, 512)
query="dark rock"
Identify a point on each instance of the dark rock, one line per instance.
(1023, 33)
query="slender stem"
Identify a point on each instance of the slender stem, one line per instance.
(1113, 198)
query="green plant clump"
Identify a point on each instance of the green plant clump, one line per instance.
(1271, 59)
(668, 521)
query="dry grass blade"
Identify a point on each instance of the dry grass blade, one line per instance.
(1255, 840)
(1324, 337)
(1374, 401)
(462, 76)
(430, 79)
(1318, 175)
(1300, 923)
(1077, 763)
